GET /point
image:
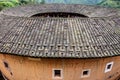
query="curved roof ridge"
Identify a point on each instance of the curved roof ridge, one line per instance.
(91, 11)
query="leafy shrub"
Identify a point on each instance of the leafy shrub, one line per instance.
(5, 5)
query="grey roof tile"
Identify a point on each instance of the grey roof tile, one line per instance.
(60, 37)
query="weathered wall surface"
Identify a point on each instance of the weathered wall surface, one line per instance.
(25, 68)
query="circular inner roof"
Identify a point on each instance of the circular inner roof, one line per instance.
(90, 11)
(95, 36)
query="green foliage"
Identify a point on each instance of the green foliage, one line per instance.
(42, 2)
(12, 3)
(15, 2)
(110, 3)
(22, 2)
(8, 3)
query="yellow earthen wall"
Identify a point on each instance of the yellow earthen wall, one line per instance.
(26, 68)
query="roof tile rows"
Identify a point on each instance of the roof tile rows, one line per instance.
(60, 37)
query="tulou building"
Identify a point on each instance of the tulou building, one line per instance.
(60, 42)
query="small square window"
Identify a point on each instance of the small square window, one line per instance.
(57, 73)
(86, 73)
(108, 67)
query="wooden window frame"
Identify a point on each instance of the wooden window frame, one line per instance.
(53, 74)
(84, 76)
(106, 68)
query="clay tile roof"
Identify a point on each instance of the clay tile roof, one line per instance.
(93, 37)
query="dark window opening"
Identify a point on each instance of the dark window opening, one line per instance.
(59, 14)
(85, 73)
(6, 65)
(109, 66)
(57, 73)
(11, 73)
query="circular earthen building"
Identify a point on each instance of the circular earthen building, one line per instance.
(60, 42)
